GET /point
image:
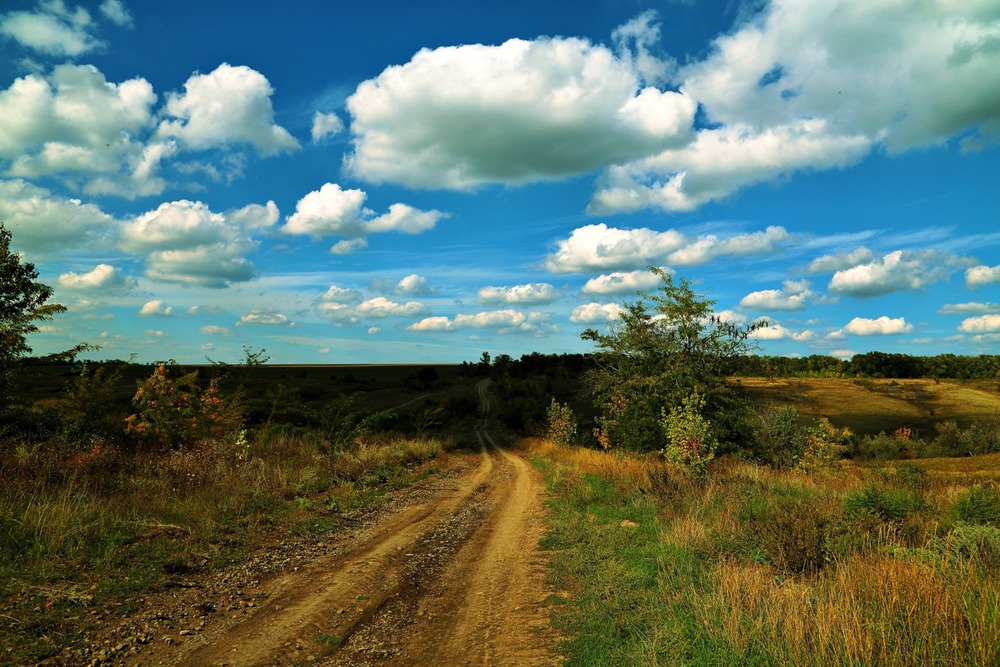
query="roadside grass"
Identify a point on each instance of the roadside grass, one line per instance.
(868, 406)
(890, 565)
(79, 531)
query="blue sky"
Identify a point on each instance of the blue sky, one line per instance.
(419, 182)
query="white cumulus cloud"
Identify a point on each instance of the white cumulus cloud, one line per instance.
(104, 278)
(621, 282)
(525, 110)
(41, 221)
(794, 295)
(326, 125)
(977, 276)
(983, 324)
(817, 84)
(186, 242)
(54, 30)
(502, 321)
(593, 313)
(882, 326)
(268, 316)
(334, 211)
(969, 307)
(599, 248)
(155, 308)
(898, 271)
(229, 105)
(531, 293)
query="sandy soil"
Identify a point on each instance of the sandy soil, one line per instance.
(450, 576)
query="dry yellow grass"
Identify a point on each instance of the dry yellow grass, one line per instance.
(870, 406)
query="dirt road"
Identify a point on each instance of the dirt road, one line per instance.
(453, 578)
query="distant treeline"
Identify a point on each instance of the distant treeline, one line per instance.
(870, 365)
(873, 365)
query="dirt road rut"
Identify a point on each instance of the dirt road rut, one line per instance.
(454, 579)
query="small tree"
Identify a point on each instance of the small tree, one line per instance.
(23, 303)
(663, 349)
(561, 423)
(691, 443)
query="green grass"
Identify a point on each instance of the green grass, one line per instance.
(752, 566)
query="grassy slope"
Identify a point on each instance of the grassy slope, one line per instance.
(870, 406)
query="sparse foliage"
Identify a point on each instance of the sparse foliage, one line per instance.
(691, 443)
(825, 445)
(663, 349)
(176, 413)
(560, 423)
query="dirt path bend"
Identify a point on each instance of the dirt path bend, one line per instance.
(455, 579)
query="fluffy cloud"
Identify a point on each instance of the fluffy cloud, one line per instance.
(342, 310)
(970, 307)
(977, 276)
(621, 282)
(188, 243)
(721, 161)
(104, 278)
(599, 247)
(268, 316)
(898, 271)
(457, 117)
(326, 125)
(593, 313)
(156, 308)
(980, 325)
(779, 332)
(54, 30)
(883, 326)
(532, 293)
(334, 211)
(793, 295)
(341, 295)
(213, 330)
(230, 105)
(502, 321)
(413, 284)
(41, 221)
(812, 85)
(75, 123)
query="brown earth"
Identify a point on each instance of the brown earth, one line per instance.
(450, 574)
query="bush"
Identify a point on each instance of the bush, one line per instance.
(691, 443)
(560, 423)
(775, 436)
(884, 502)
(825, 445)
(979, 505)
(176, 413)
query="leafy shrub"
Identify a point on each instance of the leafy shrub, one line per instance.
(560, 423)
(691, 443)
(978, 542)
(885, 502)
(979, 505)
(176, 412)
(825, 445)
(775, 436)
(788, 528)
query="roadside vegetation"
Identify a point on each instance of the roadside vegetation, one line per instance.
(895, 564)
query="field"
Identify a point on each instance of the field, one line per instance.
(870, 406)
(409, 481)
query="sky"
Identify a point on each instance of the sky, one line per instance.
(400, 182)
